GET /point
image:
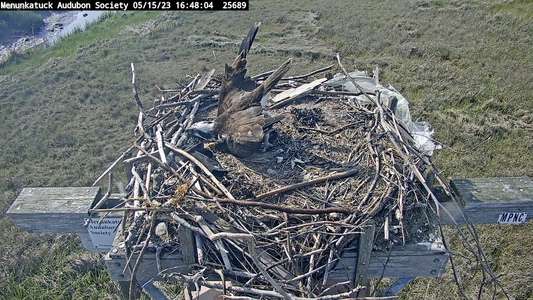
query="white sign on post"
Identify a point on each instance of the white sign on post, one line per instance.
(103, 233)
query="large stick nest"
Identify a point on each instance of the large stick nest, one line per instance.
(336, 164)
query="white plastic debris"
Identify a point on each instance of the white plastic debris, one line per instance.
(390, 97)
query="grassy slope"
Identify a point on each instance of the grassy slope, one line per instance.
(464, 66)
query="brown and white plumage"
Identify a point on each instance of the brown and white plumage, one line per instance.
(240, 120)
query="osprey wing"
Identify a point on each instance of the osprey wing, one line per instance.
(234, 80)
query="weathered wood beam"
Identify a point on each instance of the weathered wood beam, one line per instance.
(53, 210)
(415, 260)
(491, 200)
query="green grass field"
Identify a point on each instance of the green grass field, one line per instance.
(67, 111)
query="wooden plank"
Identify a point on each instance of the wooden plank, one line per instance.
(187, 246)
(486, 199)
(416, 260)
(366, 242)
(116, 258)
(53, 210)
(170, 263)
(295, 93)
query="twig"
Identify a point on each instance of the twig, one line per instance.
(308, 183)
(199, 248)
(134, 91)
(352, 80)
(186, 125)
(113, 165)
(119, 209)
(138, 261)
(328, 264)
(308, 74)
(201, 178)
(320, 223)
(140, 181)
(170, 169)
(107, 194)
(186, 224)
(325, 291)
(160, 145)
(205, 94)
(230, 235)
(309, 273)
(376, 175)
(333, 131)
(264, 74)
(326, 93)
(218, 243)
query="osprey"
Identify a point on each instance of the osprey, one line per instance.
(241, 122)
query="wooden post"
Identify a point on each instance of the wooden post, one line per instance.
(188, 249)
(366, 243)
(187, 246)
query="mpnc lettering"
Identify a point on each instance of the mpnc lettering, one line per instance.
(514, 218)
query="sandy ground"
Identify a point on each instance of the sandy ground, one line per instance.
(53, 25)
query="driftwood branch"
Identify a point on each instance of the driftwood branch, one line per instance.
(134, 92)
